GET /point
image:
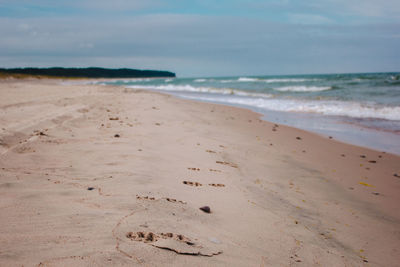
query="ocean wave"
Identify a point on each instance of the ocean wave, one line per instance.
(193, 89)
(227, 81)
(333, 108)
(303, 88)
(245, 79)
(200, 80)
(274, 80)
(288, 80)
(130, 80)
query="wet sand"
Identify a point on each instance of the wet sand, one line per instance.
(100, 176)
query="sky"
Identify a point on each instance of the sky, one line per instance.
(197, 38)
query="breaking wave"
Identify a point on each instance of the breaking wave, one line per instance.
(303, 88)
(209, 90)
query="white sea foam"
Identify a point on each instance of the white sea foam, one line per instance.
(227, 81)
(269, 102)
(245, 79)
(272, 80)
(200, 80)
(303, 88)
(334, 108)
(288, 80)
(137, 80)
(208, 90)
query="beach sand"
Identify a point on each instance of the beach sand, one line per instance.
(105, 176)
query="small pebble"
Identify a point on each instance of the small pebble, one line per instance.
(206, 209)
(116, 135)
(90, 188)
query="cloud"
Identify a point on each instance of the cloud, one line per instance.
(74, 8)
(198, 45)
(309, 19)
(124, 5)
(368, 8)
(306, 37)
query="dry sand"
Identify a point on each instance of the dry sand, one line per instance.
(103, 176)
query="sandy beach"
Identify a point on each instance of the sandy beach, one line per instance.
(105, 176)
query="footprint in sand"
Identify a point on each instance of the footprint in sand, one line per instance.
(217, 185)
(142, 227)
(173, 200)
(199, 184)
(192, 183)
(149, 237)
(174, 242)
(227, 163)
(145, 198)
(194, 169)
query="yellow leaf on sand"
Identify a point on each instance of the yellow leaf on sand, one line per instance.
(362, 183)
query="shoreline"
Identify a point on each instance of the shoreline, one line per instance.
(268, 117)
(85, 168)
(324, 105)
(346, 131)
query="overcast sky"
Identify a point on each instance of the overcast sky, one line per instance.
(203, 38)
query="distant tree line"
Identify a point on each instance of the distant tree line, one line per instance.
(89, 72)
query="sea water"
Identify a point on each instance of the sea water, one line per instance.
(361, 109)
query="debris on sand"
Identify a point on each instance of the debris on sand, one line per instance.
(206, 209)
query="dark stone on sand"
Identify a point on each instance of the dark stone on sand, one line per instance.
(396, 175)
(206, 209)
(376, 193)
(362, 156)
(116, 135)
(372, 161)
(298, 138)
(90, 188)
